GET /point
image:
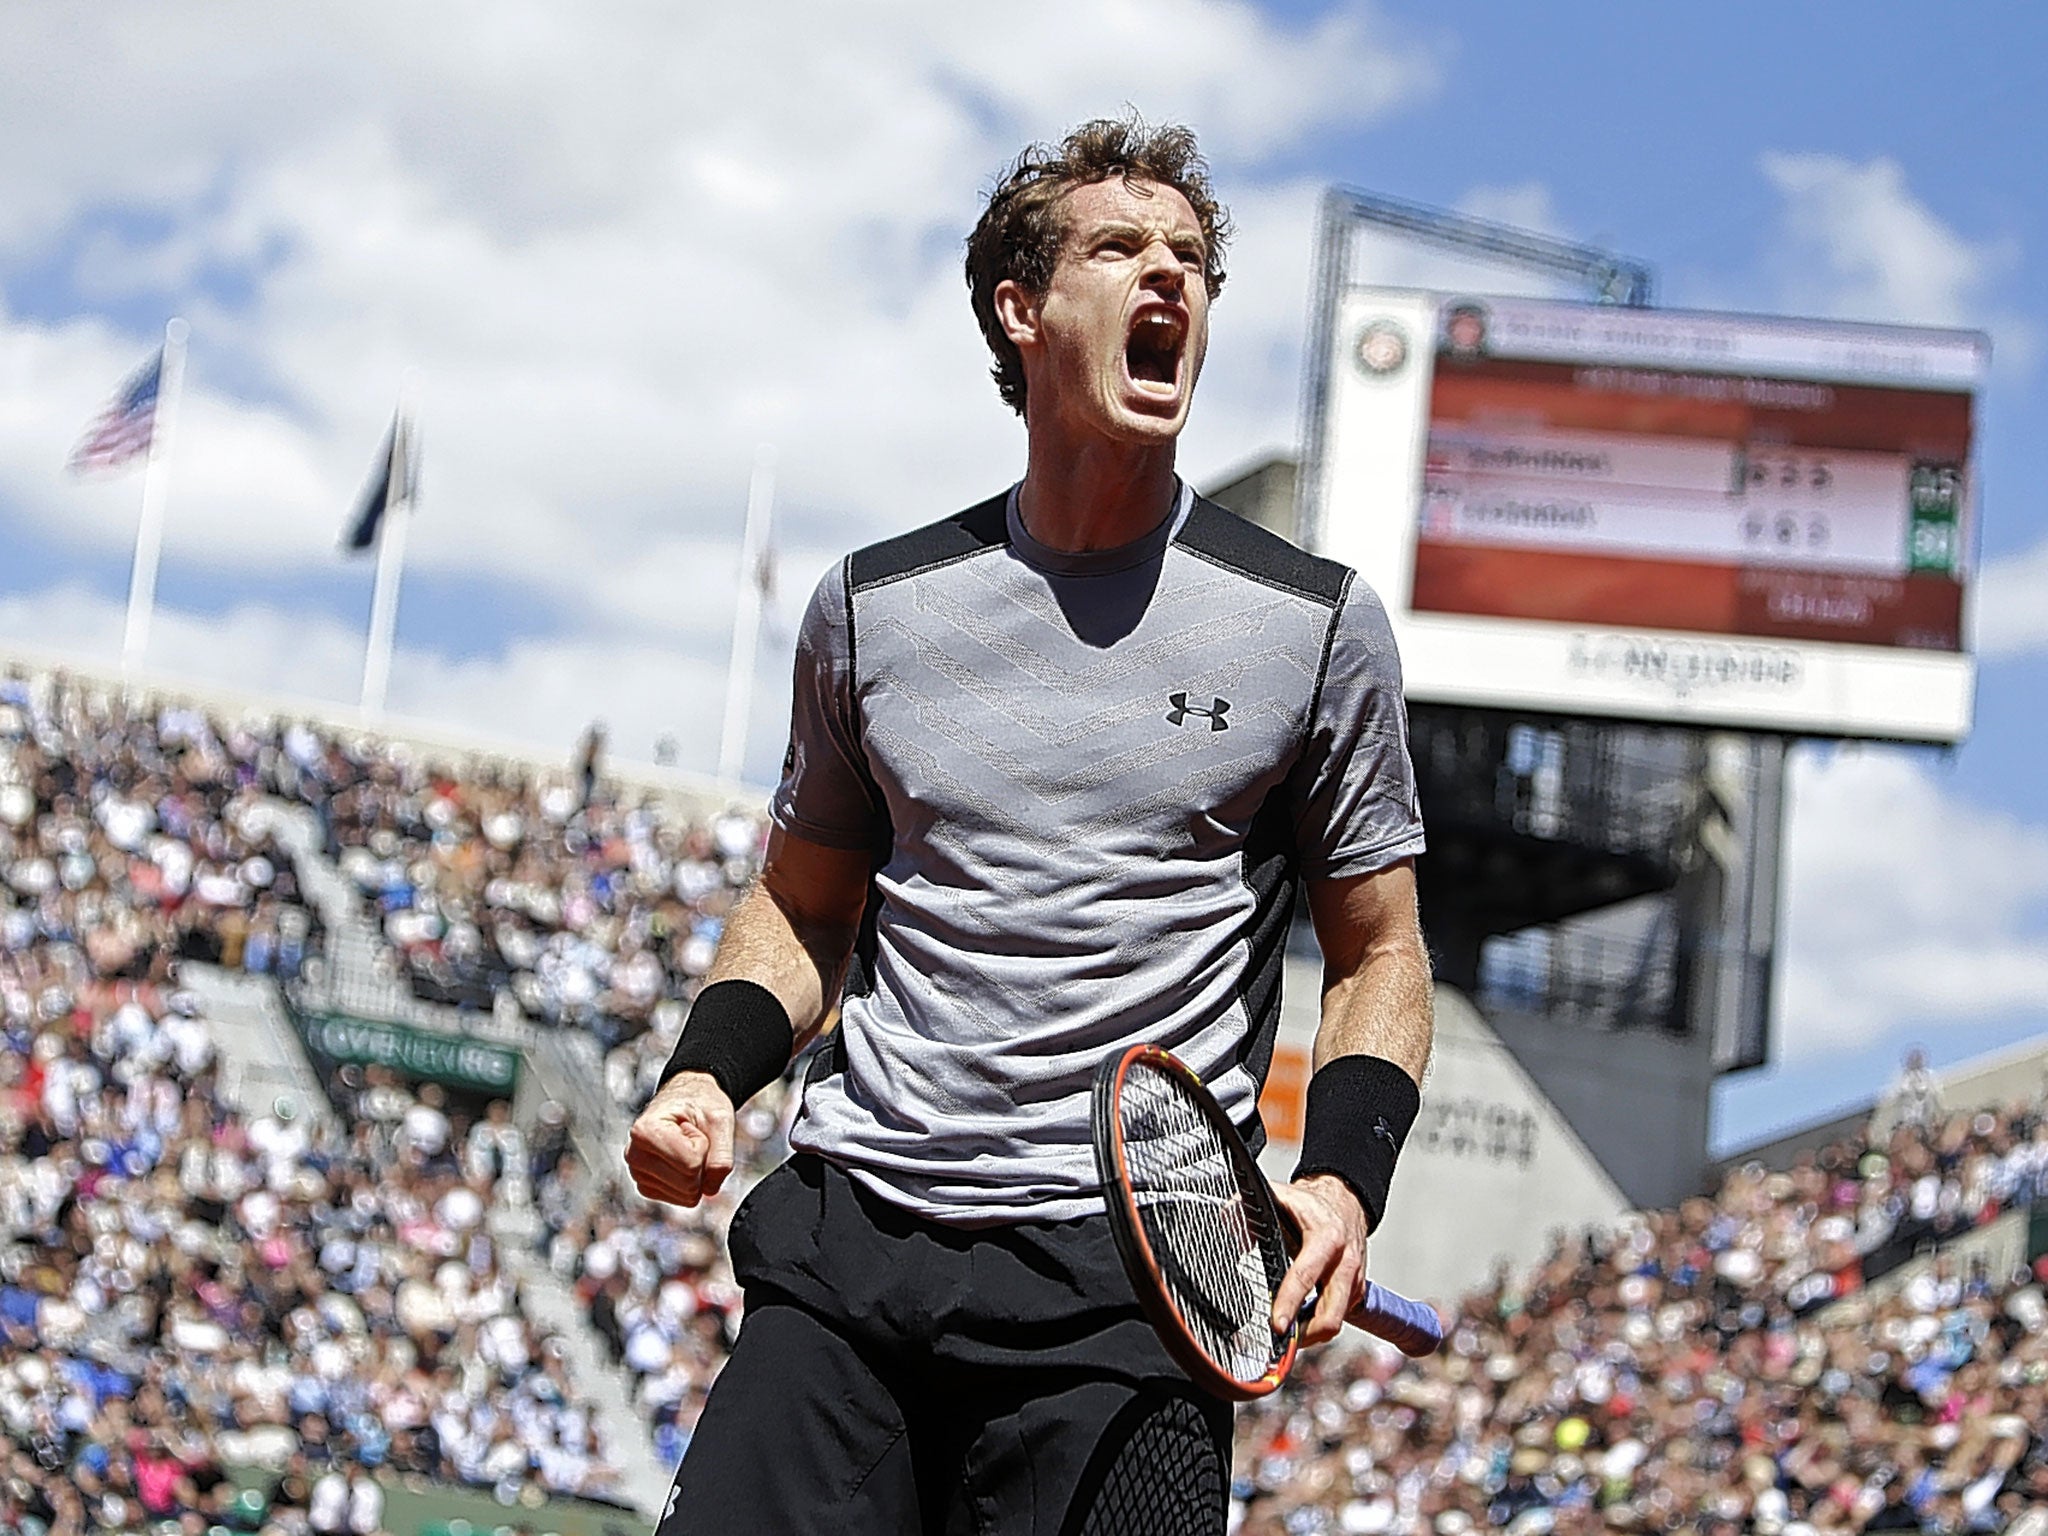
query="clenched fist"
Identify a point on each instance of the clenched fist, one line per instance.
(680, 1149)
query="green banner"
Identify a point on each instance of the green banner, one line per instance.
(460, 1061)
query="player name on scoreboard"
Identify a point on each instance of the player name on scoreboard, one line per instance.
(1732, 502)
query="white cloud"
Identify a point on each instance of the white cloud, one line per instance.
(623, 248)
(1858, 244)
(1906, 907)
(2011, 605)
(1879, 253)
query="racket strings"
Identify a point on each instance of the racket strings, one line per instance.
(1219, 1264)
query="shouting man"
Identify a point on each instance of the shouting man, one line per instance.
(1057, 766)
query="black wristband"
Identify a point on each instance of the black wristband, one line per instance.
(739, 1032)
(1359, 1111)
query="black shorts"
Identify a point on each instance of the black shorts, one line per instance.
(897, 1376)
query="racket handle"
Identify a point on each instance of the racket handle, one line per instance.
(1410, 1326)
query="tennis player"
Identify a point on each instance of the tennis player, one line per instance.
(1058, 766)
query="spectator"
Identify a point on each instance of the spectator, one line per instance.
(1915, 1099)
(588, 757)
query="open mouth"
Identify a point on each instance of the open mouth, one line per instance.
(1152, 350)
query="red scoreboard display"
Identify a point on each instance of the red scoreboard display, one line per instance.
(1701, 517)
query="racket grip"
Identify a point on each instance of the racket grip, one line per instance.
(1410, 1326)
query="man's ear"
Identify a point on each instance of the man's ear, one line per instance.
(1017, 312)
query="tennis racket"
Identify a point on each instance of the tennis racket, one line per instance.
(1203, 1240)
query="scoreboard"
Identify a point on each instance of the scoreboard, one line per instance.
(1706, 518)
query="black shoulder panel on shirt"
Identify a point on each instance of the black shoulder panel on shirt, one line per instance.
(1243, 546)
(941, 543)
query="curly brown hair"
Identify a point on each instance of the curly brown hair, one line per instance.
(1021, 231)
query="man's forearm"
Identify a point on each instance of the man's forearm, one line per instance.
(1383, 1008)
(1371, 1054)
(800, 959)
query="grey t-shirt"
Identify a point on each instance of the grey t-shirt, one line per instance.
(1089, 783)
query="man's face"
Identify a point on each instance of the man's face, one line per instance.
(1114, 344)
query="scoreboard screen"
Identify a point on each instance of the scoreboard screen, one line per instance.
(1679, 516)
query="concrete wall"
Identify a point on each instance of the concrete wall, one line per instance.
(1640, 1099)
(1262, 493)
(1492, 1169)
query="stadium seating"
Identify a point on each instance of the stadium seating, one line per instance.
(590, 914)
(1723, 1367)
(210, 1314)
(217, 1316)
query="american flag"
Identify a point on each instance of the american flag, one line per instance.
(121, 433)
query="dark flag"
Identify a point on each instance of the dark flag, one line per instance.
(395, 480)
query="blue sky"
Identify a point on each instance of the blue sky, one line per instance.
(624, 253)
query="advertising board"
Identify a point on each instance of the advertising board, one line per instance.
(1698, 518)
(458, 1060)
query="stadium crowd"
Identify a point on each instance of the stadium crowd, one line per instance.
(1737, 1365)
(1720, 1368)
(212, 1318)
(588, 911)
(133, 836)
(220, 1318)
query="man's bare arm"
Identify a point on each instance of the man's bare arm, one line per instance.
(1376, 1002)
(794, 929)
(792, 934)
(1376, 979)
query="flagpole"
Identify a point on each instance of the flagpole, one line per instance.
(383, 634)
(149, 528)
(746, 619)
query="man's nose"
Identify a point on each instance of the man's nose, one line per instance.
(1163, 271)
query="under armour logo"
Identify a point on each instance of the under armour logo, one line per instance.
(1178, 715)
(1384, 1131)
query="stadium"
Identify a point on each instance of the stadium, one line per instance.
(345, 965)
(262, 1266)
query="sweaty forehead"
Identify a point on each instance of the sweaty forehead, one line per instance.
(1146, 205)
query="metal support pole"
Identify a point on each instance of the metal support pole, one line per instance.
(149, 528)
(746, 619)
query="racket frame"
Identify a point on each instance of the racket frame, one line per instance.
(1141, 1263)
